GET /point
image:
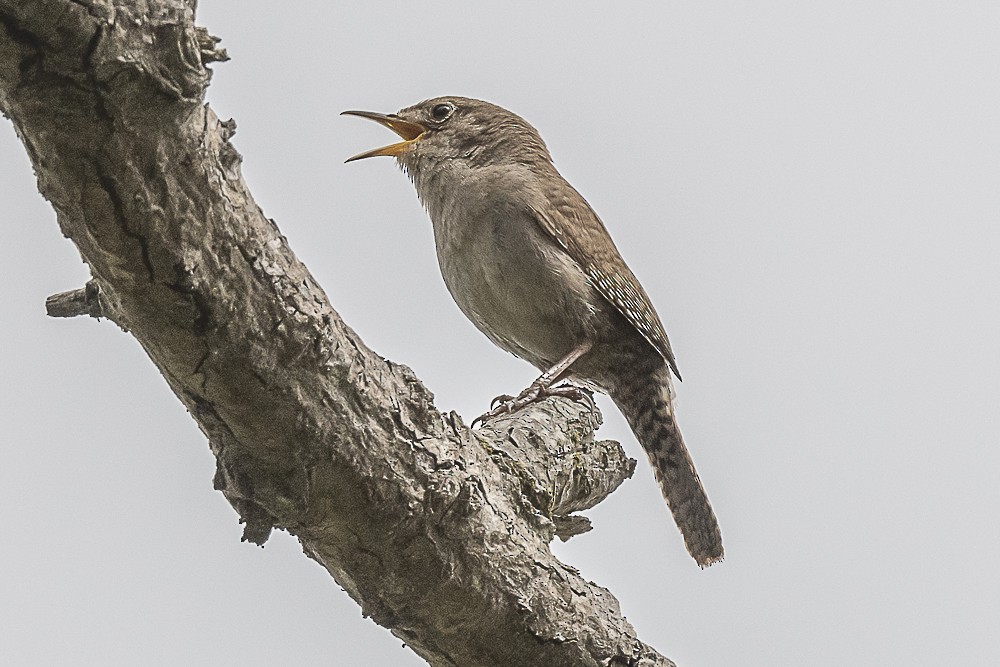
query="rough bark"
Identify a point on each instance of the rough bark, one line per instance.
(440, 533)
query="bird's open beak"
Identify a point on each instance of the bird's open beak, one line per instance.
(410, 132)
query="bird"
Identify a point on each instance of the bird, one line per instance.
(530, 263)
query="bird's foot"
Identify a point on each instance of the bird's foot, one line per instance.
(506, 404)
(502, 398)
(573, 393)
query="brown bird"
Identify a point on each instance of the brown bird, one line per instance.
(529, 262)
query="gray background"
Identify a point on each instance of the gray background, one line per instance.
(808, 191)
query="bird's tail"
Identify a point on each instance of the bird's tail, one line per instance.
(647, 403)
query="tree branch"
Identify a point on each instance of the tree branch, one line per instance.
(83, 301)
(441, 534)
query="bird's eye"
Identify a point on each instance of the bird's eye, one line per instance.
(442, 111)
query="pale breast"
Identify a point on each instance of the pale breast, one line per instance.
(508, 277)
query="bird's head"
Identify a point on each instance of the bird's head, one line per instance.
(457, 131)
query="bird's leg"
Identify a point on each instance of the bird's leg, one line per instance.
(540, 388)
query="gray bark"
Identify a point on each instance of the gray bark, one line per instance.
(440, 533)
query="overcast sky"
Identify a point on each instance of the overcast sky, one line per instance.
(811, 196)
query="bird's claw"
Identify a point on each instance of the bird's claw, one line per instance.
(502, 398)
(506, 404)
(498, 406)
(574, 393)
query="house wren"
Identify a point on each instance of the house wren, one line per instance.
(530, 263)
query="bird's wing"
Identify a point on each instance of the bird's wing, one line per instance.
(575, 227)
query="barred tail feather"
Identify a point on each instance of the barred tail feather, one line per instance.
(647, 403)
